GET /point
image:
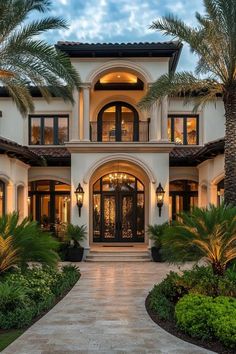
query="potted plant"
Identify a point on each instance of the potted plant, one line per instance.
(155, 233)
(75, 234)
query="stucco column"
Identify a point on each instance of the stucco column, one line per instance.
(155, 122)
(164, 119)
(86, 112)
(75, 133)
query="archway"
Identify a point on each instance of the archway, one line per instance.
(119, 203)
(118, 121)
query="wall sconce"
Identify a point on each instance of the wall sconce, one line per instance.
(160, 197)
(79, 192)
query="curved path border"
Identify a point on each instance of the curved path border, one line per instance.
(104, 313)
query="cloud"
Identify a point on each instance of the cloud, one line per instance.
(121, 21)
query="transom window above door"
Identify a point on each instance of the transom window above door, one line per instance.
(183, 129)
(48, 129)
(118, 121)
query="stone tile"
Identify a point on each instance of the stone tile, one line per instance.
(104, 314)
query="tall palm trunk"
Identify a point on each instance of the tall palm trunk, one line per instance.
(230, 145)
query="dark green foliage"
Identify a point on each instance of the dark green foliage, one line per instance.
(206, 317)
(165, 295)
(155, 233)
(204, 233)
(26, 59)
(31, 243)
(75, 234)
(26, 294)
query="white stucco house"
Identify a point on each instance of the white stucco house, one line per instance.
(118, 153)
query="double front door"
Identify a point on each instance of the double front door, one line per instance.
(118, 214)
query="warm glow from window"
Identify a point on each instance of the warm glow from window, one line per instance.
(119, 77)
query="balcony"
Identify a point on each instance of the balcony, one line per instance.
(129, 133)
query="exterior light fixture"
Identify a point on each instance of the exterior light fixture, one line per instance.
(160, 197)
(79, 192)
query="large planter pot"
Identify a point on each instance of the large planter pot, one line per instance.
(74, 254)
(156, 256)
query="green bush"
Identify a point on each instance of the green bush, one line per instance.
(26, 294)
(206, 317)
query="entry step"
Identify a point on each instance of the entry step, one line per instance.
(103, 256)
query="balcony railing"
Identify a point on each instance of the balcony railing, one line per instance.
(143, 131)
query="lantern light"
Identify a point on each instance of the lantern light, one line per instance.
(160, 193)
(79, 192)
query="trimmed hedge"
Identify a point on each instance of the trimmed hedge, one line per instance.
(205, 317)
(25, 295)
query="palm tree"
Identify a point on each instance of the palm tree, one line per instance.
(213, 40)
(23, 242)
(26, 61)
(204, 233)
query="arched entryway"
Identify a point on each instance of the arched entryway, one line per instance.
(118, 208)
(2, 198)
(118, 121)
(119, 204)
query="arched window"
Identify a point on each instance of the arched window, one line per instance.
(49, 204)
(183, 196)
(2, 198)
(118, 121)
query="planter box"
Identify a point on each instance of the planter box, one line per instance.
(74, 254)
(156, 256)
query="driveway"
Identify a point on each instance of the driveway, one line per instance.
(104, 313)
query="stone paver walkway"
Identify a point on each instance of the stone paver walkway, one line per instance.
(104, 313)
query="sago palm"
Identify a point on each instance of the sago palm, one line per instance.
(213, 40)
(9, 254)
(26, 61)
(205, 233)
(26, 242)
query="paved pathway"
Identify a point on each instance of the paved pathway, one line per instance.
(104, 313)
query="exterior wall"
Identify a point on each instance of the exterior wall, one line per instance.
(61, 174)
(211, 118)
(157, 166)
(211, 172)
(15, 175)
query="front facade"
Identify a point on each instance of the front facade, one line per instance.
(117, 152)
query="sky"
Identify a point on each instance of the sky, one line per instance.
(121, 21)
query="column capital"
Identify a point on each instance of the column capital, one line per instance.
(85, 85)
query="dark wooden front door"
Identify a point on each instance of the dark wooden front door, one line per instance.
(119, 214)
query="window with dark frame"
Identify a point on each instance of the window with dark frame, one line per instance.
(183, 129)
(2, 198)
(48, 129)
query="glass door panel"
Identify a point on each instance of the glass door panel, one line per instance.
(127, 217)
(109, 217)
(44, 211)
(109, 124)
(140, 216)
(62, 213)
(96, 216)
(127, 124)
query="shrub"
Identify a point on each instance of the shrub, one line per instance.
(26, 294)
(206, 317)
(165, 295)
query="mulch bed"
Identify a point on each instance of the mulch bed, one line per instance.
(170, 327)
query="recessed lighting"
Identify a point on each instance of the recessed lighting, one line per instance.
(118, 76)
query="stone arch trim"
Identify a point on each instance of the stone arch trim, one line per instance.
(218, 178)
(183, 177)
(119, 157)
(115, 98)
(49, 177)
(120, 64)
(5, 179)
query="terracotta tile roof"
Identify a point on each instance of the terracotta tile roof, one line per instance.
(54, 156)
(23, 153)
(127, 50)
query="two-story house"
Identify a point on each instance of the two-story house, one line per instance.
(118, 153)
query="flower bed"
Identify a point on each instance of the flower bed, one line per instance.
(25, 295)
(197, 306)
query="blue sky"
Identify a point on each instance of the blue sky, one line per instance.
(121, 21)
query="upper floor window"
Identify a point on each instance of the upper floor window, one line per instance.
(183, 129)
(118, 121)
(2, 198)
(48, 129)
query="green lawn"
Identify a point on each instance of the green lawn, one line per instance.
(8, 337)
